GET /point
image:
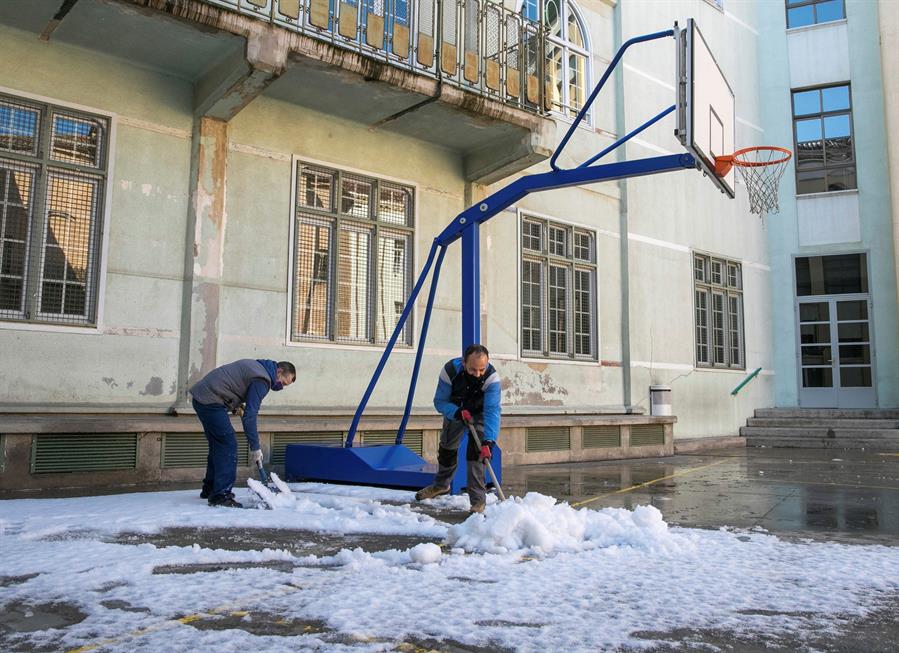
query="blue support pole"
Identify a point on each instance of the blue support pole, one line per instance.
(401, 432)
(471, 286)
(389, 347)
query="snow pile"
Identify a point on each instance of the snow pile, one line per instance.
(537, 523)
(425, 553)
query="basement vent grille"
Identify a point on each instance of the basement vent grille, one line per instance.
(190, 450)
(411, 439)
(548, 438)
(62, 453)
(281, 440)
(604, 436)
(647, 434)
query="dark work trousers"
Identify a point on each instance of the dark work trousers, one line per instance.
(221, 462)
(448, 459)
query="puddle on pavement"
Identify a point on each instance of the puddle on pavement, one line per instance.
(212, 567)
(260, 623)
(18, 617)
(124, 606)
(446, 646)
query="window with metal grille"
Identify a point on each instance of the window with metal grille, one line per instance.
(53, 163)
(558, 290)
(811, 12)
(718, 312)
(822, 129)
(353, 254)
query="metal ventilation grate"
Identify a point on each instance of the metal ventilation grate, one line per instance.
(603, 436)
(647, 434)
(548, 438)
(281, 440)
(411, 439)
(190, 450)
(59, 453)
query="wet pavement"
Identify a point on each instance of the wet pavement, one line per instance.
(844, 496)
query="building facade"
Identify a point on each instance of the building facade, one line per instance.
(269, 182)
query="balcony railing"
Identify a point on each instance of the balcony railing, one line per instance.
(476, 45)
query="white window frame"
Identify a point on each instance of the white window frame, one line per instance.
(727, 288)
(571, 228)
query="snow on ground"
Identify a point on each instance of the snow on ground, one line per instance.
(529, 575)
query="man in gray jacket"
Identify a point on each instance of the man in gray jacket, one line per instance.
(236, 387)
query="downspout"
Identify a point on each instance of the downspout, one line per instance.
(621, 155)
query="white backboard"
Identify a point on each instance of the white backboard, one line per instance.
(705, 105)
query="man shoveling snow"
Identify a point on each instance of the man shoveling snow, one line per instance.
(468, 391)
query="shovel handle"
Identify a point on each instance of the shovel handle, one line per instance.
(473, 431)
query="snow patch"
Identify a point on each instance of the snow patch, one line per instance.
(539, 524)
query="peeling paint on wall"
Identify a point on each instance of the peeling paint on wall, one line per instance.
(532, 389)
(108, 380)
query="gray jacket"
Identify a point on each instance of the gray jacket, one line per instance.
(229, 383)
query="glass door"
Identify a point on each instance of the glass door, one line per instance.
(835, 357)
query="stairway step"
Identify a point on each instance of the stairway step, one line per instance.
(793, 432)
(891, 445)
(831, 413)
(822, 422)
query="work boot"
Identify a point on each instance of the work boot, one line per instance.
(224, 501)
(430, 492)
(477, 507)
(206, 491)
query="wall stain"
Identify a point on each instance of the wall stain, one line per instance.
(154, 387)
(108, 380)
(533, 388)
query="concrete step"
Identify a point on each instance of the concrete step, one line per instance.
(889, 445)
(830, 413)
(823, 422)
(793, 432)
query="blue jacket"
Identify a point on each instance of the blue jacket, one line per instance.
(448, 402)
(255, 394)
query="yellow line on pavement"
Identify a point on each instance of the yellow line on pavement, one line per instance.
(655, 480)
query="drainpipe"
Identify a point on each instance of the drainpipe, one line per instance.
(621, 155)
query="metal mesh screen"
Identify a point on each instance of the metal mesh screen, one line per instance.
(450, 9)
(83, 453)
(355, 196)
(76, 140)
(395, 205)
(531, 306)
(583, 246)
(426, 12)
(734, 324)
(492, 35)
(472, 23)
(20, 126)
(352, 271)
(312, 281)
(647, 434)
(531, 236)
(601, 436)
(718, 328)
(558, 241)
(353, 285)
(558, 304)
(702, 326)
(393, 283)
(71, 208)
(315, 188)
(583, 317)
(548, 438)
(16, 199)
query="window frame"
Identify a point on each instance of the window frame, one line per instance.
(572, 266)
(795, 4)
(822, 115)
(98, 248)
(727, 291)
(376, 228)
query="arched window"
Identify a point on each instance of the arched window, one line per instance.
(567, 54)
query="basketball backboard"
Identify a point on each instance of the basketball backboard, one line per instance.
(705, 105)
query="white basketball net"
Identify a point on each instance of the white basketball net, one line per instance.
(761, 170)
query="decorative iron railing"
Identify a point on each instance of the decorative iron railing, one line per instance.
(477, 45)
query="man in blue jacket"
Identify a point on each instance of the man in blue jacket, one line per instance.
(468, 388)
(237, 387)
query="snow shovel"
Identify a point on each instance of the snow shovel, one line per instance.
(473, 432)
(266, 479)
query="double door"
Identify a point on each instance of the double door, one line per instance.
(836, 361)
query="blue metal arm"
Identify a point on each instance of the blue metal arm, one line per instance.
(421, 347)
(598, 88)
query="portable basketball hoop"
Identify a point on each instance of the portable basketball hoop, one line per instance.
(761, 168)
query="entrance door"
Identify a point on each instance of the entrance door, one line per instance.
(835, 357)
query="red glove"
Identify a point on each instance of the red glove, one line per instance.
(465, 415)
(486, 453)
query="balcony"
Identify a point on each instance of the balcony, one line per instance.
(461, 74)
